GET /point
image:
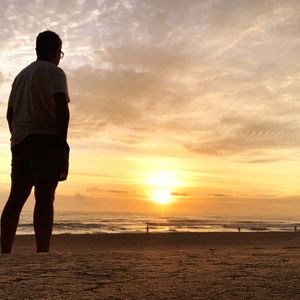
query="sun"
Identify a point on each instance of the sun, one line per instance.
(162, 196)
(161, 185)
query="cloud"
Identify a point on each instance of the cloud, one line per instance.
(118, 192)
(80, 197)
(177, 194)
(220, 195)
(218, 76)
(2, 78)
(83, 126)
(121, 96)
(130, 139)
(249, 136)
(263, 160)
(210, 74)
(111, 191)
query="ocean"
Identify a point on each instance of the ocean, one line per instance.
(97, 222)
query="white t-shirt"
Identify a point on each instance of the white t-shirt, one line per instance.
(32, 100)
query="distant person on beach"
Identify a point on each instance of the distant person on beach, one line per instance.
(38, 119)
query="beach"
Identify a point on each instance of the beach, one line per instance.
(245, 265)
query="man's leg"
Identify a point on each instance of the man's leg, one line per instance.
(11, 213)
(43, 215)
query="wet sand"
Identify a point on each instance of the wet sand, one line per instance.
(155, 266)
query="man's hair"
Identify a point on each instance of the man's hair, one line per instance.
(47, 42)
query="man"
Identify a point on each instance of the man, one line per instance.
(38, 118)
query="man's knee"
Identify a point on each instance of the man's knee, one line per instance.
(18, 196)
(45, 193)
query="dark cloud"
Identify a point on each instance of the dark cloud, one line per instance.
(117, 192)
(112, 191)
(263, 160)
(80, 197)
(220, 195)
(177, 194)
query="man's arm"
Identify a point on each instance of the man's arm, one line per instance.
(9, 117)
(62, 116)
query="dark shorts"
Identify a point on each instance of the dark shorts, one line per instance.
(36, 160)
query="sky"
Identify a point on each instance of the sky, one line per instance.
(177, 106)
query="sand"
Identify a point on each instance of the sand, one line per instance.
(155, 266)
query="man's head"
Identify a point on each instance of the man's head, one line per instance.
(48, 46)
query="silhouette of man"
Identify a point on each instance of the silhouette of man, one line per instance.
(38, 118)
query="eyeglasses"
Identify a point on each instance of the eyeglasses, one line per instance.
(61, 54)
